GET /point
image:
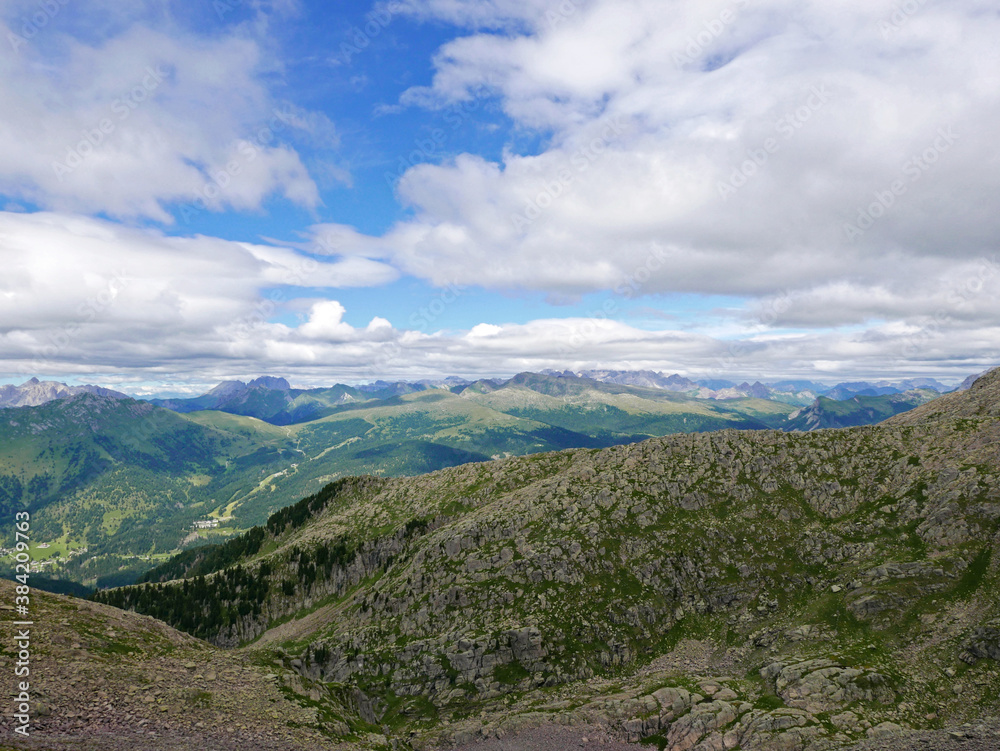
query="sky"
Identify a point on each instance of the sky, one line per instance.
(192, 192)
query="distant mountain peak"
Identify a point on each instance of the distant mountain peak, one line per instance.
(270, 382)
(228, 387)
(33, 393)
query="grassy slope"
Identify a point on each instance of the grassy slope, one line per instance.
(129, 488)
(873, 548)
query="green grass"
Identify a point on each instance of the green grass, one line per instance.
(511, 674)
(974, 575)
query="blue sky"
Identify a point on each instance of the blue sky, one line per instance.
(191, 192)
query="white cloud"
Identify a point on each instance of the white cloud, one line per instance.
(121, 305)
(133, 122)
(326, 322)
(722, 147)
(103, 296)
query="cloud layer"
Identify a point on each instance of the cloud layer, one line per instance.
(139, 118)
(751, 148)
(833, 166)
(83, 295)
(137, 306)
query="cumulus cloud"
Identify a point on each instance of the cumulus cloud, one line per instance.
(87, 121)
(102, 296)
(723, 147)
(129, 305)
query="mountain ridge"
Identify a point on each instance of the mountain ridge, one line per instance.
(111, 508)
(33, 393)
(845, 579)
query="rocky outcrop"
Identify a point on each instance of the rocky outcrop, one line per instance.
(823, 686)
(983, 645)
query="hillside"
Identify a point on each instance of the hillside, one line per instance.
(119, 478)
(856, 410)
(104, 679)
(117, 486)
(733, 589)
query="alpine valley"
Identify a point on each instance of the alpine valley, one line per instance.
(743, 588)
(116, 486)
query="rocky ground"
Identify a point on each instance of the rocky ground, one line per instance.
(105, 679)
(552, 738)
(980, 737)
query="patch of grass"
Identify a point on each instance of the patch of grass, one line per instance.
(409, 711)
(199, 699)
(770, 702)
(511, 674)
(973, 577)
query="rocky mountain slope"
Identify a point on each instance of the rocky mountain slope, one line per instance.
(105, 679)
(712, 591)
(856, 410)
(33, 393)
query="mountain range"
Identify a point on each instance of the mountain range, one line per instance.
(737, 589)
(116, 485)
(273, 399)
(33, 393)
(782, 390)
